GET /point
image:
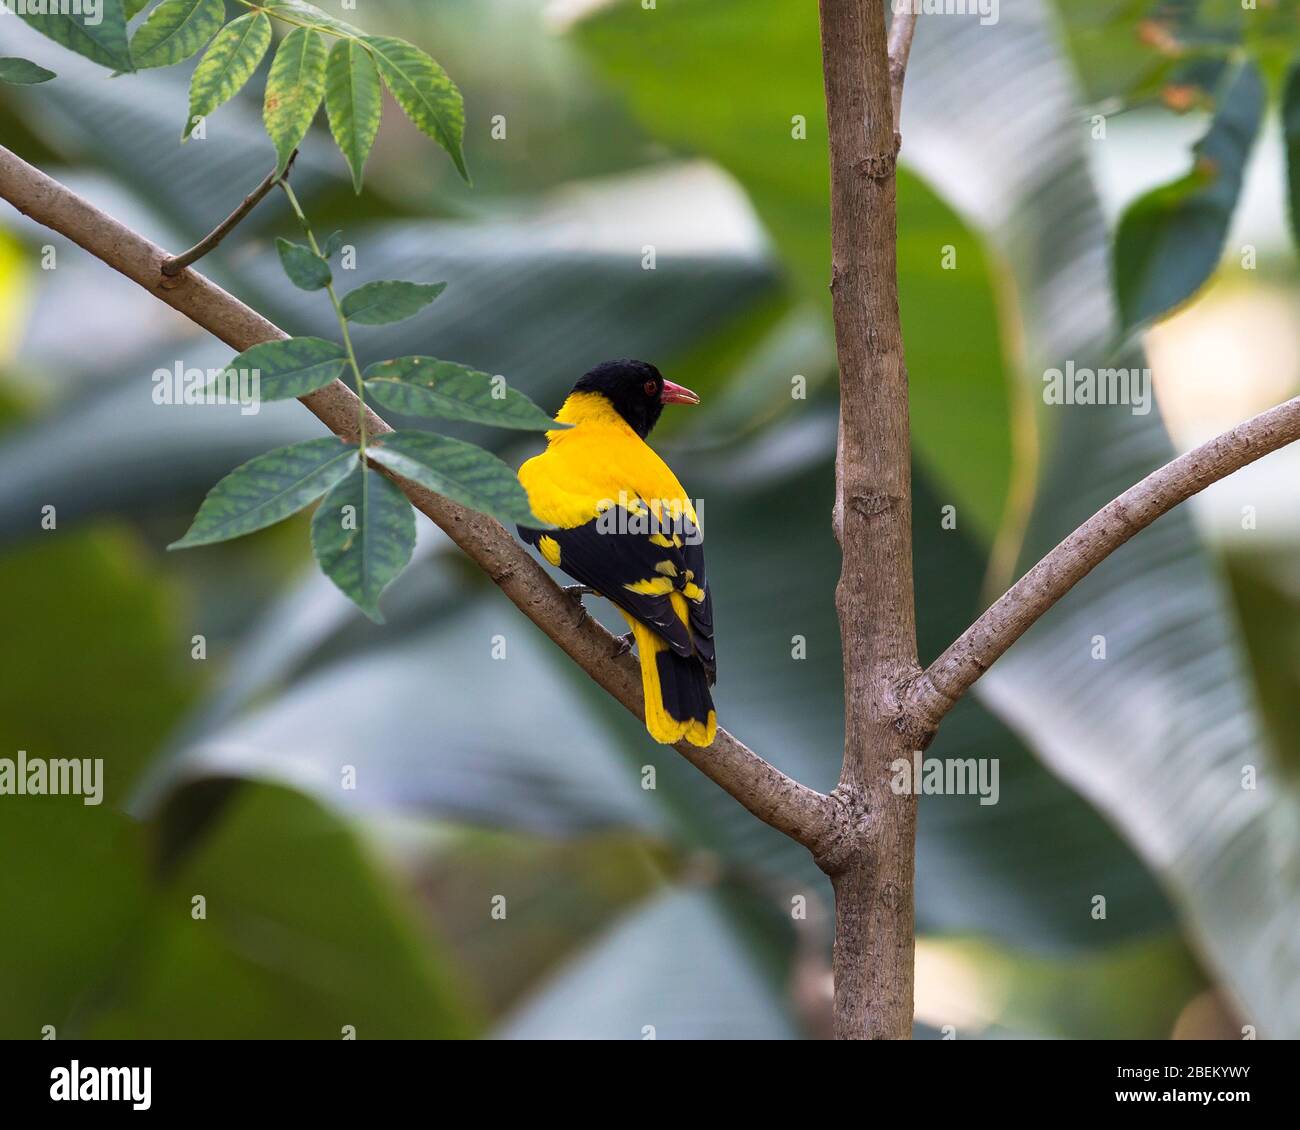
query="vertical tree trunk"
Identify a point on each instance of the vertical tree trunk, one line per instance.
(873, 521)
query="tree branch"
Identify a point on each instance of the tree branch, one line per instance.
(926, 698)
(805, 815)
(873, 518)
(173, 266)
(901, 30)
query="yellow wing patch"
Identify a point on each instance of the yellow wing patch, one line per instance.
(550, 549)
(654, 586)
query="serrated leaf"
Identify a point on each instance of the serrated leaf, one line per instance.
(23, 72)
(354, 103)
(1171, 239)
(306, 269)
(363, 535)
(425, 93)
(457, 470)
(425, 386)
(382, 303)
(269, 489)
(294, 90)
(175, 30)
(293, 367)
(228, 64)
(104, 43)
(1291, 131)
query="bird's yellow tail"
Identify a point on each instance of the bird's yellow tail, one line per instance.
(677, 700)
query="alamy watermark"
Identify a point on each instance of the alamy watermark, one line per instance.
(1074, 385)
(59, 776)
(987, 10)
(179, 385)
(78, 1083)
(675, 520)
(946, 776)
(90, 11)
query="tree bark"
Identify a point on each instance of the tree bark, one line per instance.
(872, 873)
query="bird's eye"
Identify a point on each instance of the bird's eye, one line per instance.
(651, 388)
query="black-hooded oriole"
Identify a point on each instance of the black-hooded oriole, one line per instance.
(625, 528)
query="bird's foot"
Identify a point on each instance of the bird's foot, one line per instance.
(577, 592)
(625, 644)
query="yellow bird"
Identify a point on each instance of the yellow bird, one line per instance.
(626, 530)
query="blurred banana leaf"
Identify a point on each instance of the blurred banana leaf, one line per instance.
(1158, 733)
(299, 938)
(674, 969)
(301, 935)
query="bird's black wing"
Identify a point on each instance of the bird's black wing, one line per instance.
(637, 570)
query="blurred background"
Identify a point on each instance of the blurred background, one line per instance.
(395, 831)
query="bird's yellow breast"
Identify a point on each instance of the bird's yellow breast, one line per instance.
(598, 461)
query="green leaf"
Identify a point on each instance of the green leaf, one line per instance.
(424, 386)
(306, 269)
(104, 43)
(293, 367)
(134, 7)
(294, 90)
(460, 471)
(1291, 131)
(229, 63)
(268, 489)
(354, 102)
(300, 12)
(425, 92)
(23, 72)
(364, 534)
(332, 245)
(1171, 239)
(381, 303)
(175, 30)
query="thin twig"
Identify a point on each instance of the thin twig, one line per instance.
(928, 697)
(174, 265)
(901, 30)
(807, 816)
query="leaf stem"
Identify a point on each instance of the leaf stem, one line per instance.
(177, 263)
(278, 14)
(362, 431)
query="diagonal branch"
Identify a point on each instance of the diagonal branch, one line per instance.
(800, 812)
(926, 698)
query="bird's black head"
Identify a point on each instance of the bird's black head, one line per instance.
(637, 390)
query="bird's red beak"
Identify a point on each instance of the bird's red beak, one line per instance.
(676, 394)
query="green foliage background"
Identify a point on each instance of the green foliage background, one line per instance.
(478, 778)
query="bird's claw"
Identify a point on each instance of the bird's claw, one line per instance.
(577, 592)
(624, 644)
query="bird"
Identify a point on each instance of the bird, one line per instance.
(624, 528)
